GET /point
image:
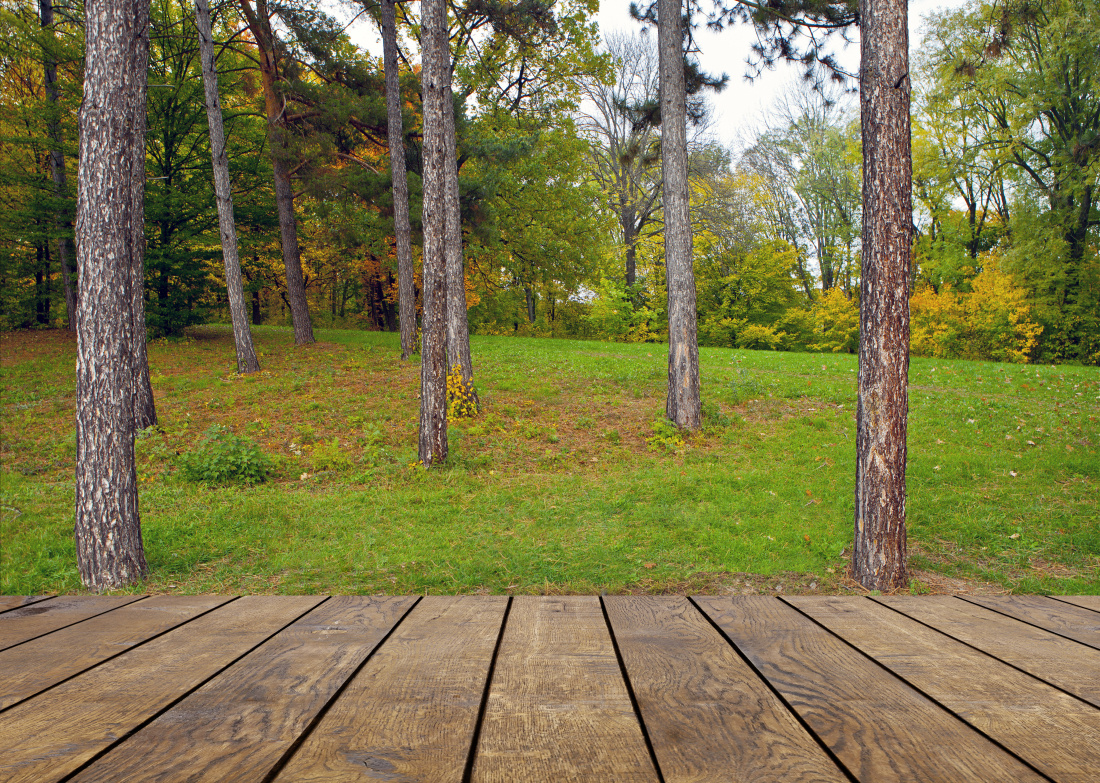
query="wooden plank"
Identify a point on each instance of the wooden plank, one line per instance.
(708, 715)
(410, 712)
(878, 727)
(239, 725)
(1084, 601)
(9, 602)
(51, 735)
(1073, 622)
(36, 665)
(28, 622)
(1069, 665)
(558, 707)
(1054, 732)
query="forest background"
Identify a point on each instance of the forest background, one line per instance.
(560, 182)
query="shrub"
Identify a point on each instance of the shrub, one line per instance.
(223, 458)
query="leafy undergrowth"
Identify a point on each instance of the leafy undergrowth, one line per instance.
(566, 481)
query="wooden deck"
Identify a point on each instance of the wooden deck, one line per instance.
(308, 688)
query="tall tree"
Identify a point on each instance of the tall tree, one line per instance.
(258, 18)
(433, 351)
(683, 402)
(57, 158)
(242, 334)
(458, 326)
(110, 189)
(879, 553)
(406, 284)
(626, 152)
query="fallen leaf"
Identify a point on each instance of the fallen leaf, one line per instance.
(1013, 473)
(1014, 536)
(650, 565)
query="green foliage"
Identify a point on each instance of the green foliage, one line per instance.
(223, 458)
(328, 455)
(666, 436)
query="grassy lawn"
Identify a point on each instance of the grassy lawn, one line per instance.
(567, 481)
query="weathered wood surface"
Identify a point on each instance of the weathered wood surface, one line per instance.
(8, 602)
(624, 688)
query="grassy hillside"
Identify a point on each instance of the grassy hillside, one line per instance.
(568, 481)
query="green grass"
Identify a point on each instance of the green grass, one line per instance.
(567, 482)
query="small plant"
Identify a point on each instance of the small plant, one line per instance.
(461, 397)
(328, 455)
(306, 434)
(613, 437)
(666, 436)
(223, 458)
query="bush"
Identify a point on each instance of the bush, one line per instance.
(223, 458)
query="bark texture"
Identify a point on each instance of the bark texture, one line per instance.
(683, 344)
(879, 557)
(433, 353)
(57, 165)
(458, 325)
(406, 283)
(223, 194)
(109, 217)
(259, 22)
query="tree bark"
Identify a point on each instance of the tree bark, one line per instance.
(145, 410)
(879, 557)
(433, 355)
(683, 346)
(57, 165)
(458, 324)
(406, 284)
(109, 216)
(223, 194)
(260, 24)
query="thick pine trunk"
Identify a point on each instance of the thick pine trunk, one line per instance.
(433, 353)
(879, 558)
(109, 218)
(223, 194)
(458, 325)
(260, 24)
(406, 284)
(683, 346)
(57, 164)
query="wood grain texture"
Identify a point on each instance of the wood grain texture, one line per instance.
(9, 602)
(51, 735)
(709, 716)
(410, 712)
(878, 727)
(1084, 601)
(558, 708)
(27, 622)
(239, 725)
(1064, 619)
(1056, 733)
(36, 665)
(1070, 665)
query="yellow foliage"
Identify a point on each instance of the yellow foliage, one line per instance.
(991, 322)
(836, 323)
(461, 399)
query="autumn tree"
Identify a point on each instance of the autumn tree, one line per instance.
(270, 54)
(109, 229)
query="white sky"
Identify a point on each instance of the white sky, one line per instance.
(743, 106)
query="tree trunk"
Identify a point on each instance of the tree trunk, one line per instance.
(406, 284)
(683, 346)
(260, 25)
(433, 355)
(242, 334)
(109, 217)
(57, 165)
(879, 558)
(458, 324)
